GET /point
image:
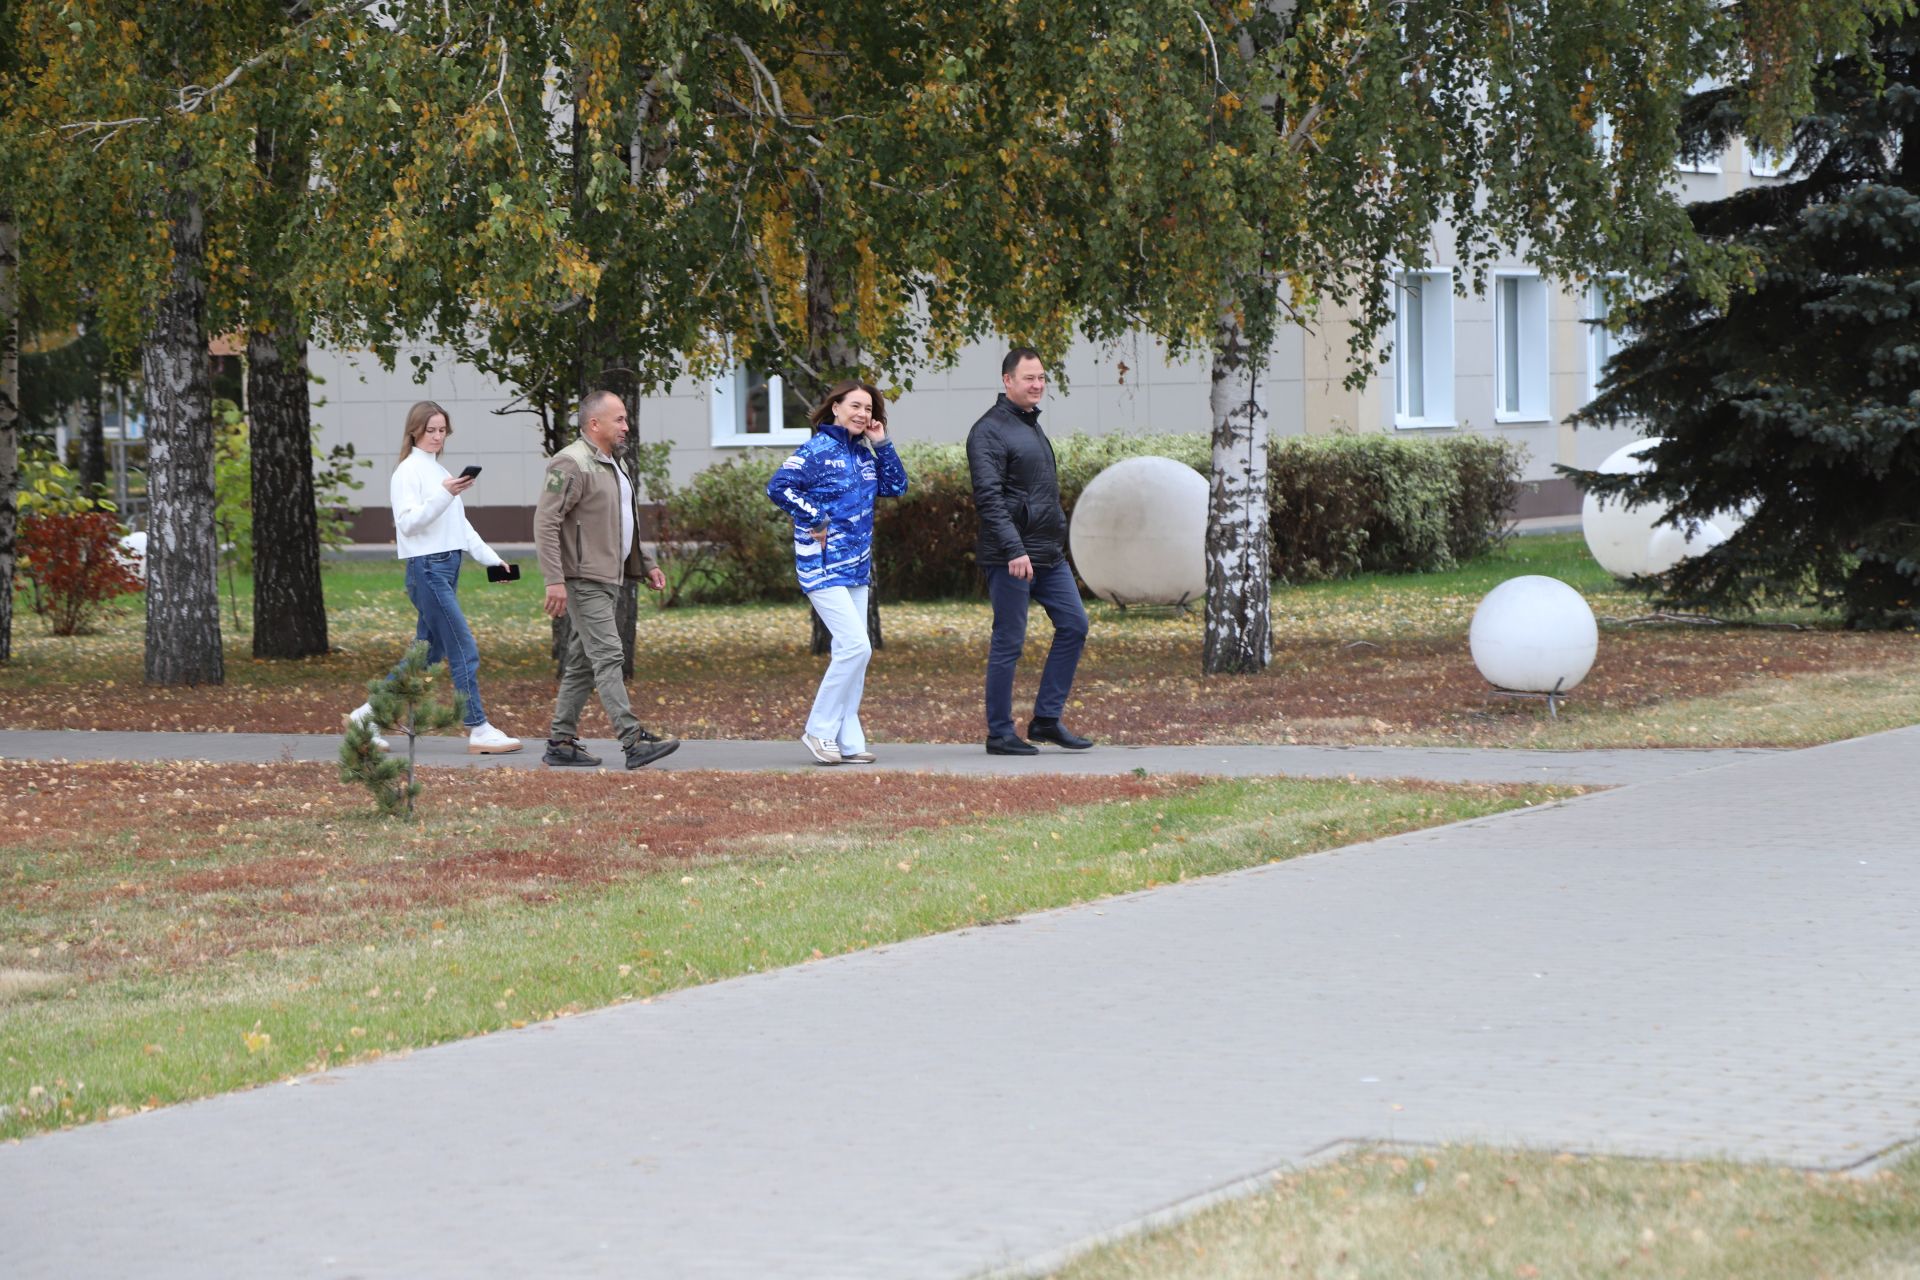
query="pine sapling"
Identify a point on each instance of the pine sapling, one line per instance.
(402, 702)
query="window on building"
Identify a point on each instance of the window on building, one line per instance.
(1520, 347)
(1603, 135)
(753, 407)
(1763, 162)
(1707, 163)
(1602, 339)
(1423, 349)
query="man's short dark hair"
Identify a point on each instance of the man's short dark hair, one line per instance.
(1015, 356)
(592, 403)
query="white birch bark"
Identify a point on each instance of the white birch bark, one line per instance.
(1239, 589)
(183, 593)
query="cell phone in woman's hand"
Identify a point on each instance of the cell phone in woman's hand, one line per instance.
(503, 573)
(469, 471)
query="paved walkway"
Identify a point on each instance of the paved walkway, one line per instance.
(1439, 764)
(1719, 962)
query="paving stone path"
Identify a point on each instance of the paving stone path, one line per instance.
(1439, 764)
(1724, 961)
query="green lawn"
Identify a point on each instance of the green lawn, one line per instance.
(1467, 1214)
(174, 958)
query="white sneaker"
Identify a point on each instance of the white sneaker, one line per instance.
(485, 740)
(825, 751)
(365, 712)
(856, 757)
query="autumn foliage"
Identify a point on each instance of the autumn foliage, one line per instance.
(75, 566)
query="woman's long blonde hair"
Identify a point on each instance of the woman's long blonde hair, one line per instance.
(417, 419)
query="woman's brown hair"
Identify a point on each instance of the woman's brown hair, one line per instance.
(417, 419)
(823, 412)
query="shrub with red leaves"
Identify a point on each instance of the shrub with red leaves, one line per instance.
(76, 567)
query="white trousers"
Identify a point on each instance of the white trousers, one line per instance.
(836, 708)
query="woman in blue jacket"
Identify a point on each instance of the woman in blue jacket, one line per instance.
(827, 487)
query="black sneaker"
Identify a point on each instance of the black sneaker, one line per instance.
(641, 753)
(642, 735)
(1058, 734)
(567, 751)
(1011, 745)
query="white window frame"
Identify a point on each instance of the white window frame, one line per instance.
(1603, 135)
(1423, 335)
(1712, 164)
(1522, 361)
(727, 407)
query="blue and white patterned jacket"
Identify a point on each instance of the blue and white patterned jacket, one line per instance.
(831, 482)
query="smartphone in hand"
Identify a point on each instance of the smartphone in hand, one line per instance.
(469, 471)
(503, 573)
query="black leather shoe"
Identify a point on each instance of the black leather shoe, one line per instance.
(1011, 745)
(567, 751)
(1058, 734)
(641, 753)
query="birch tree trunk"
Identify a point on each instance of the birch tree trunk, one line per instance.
(1239, 638)
(183, 593)
(289, 606)
(9, 420)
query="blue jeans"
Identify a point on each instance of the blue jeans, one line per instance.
(432, 584)
(1053, 590)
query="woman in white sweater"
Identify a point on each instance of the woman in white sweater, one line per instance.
(433, 535)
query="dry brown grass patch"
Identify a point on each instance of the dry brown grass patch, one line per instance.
(1131, 688)
(16, 984)
(165, 867)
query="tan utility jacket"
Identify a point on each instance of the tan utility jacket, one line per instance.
(576, 526)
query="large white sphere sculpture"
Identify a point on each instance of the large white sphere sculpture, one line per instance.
(1668, 545)
(1629, 542)
(1139, 532)
(132, 552)
(1533, 635)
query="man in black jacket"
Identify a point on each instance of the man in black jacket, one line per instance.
(1023, 551)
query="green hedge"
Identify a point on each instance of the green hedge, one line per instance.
(1347, 504)
(1341, 504)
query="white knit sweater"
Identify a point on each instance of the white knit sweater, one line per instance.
(426, 518)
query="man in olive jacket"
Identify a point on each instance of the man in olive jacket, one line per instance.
(586, 528)
(1023, 553)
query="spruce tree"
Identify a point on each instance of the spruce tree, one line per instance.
(402, 702)
(1796, 400)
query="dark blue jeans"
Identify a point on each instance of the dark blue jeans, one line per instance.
(433, 583)
(1053, 590)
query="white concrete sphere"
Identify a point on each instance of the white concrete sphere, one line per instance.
(1534, 634)
(1616, 534)
(1670, 545)
(1631, 542)
(1139, 533)
(132, 552)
